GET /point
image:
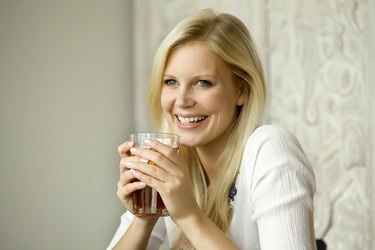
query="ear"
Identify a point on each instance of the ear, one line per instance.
(242, 94)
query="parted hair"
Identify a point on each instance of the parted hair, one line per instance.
(230, 40)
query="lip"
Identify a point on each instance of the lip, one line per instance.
(192, 125)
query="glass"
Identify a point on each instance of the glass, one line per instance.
(147, 201)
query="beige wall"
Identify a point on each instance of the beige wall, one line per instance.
(371, 78)
(65, 72)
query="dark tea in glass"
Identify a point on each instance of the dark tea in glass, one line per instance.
(147, 201)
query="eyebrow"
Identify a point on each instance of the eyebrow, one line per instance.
(168, 76)
(195, 76)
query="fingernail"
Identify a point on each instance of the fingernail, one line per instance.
(130, 143)
(133, 150)
(143, 160)
(141, 184)
(147, 141)
(128, 163)
(132, 171)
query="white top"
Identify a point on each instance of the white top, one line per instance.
(273, 207)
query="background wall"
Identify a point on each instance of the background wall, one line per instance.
(65, 93)
(318, 72)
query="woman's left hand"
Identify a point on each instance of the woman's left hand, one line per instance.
(168, 174)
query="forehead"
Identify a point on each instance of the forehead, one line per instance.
(197, 55)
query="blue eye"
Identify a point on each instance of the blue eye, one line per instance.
(170, 82)
(204, 83)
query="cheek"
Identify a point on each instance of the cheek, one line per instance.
(218, 103)
(166, 101)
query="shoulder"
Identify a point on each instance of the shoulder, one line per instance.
(272, 148)
(271, 135)
(272, 131)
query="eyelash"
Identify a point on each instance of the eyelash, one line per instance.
(204, 83)
(169, 82)
(200, 83)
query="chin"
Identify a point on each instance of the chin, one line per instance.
(188, 145)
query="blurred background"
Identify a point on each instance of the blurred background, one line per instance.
(73, 79)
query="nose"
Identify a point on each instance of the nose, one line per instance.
(185, 97)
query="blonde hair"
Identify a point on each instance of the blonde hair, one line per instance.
(228, 38)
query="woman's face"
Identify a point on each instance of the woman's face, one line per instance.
(199, 95)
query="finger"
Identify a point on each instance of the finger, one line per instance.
(169, 152)
(128, 160)
(124, 193)
(147, 168)
(156, 157)
(125, 178)
(124, 148)
(146, 178)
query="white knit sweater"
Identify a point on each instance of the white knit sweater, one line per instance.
(273, 207)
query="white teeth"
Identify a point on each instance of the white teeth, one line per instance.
(189, 120)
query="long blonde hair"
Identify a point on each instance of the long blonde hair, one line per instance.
(228, 38)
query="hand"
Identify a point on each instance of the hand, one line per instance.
(169, 175)
(127, 184)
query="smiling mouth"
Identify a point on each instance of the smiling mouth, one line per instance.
(190, 120)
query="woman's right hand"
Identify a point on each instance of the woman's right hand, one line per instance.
(138, 233)
(127, 184)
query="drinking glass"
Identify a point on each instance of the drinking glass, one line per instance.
(147, 201)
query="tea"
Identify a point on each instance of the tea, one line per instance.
(148, 202)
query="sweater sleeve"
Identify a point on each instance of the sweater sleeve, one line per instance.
(282, 189)
(157, 236)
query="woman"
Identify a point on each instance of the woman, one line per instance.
(234, 185)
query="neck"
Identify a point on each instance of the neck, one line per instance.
(209, 156)
(208, 159)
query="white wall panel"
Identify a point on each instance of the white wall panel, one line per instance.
(318, 88)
